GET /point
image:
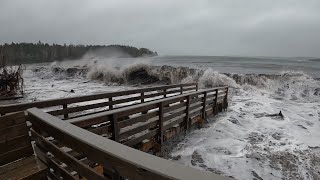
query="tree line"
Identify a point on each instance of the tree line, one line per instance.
(20, 53)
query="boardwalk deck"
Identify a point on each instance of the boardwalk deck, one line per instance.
(97, 145)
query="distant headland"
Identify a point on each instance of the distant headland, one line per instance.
(20, 53)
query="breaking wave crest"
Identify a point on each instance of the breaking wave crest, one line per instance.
(292, 84)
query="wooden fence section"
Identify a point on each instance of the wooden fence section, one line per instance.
(83, 105)
(148, 125)
(72, 153)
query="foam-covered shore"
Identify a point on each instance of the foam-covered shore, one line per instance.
(243, 142)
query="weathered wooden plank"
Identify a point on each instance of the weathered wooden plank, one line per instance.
(195, 100)
(125, 100)
(14, 143)
(171, 124)
(174, 107)
(79, 108)
(195, 113)
(16, 154)
(136, 109)
(141, 118)
(173, 91)
(72, 162)
(154, 95)
(211, 96)
(209, 102)
(58, 170)
(188, 89)
(174, 99)
(195, 106)
(13, 131)
(12, 119)
(138, 129)
(12, 166)
(105, 129)
(174, 114)
(89, 121)
(28, 169)
(139, 139)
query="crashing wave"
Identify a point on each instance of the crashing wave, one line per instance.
(293, 84)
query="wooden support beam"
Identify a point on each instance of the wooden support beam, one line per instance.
(115, 125)
(216, 103)
(204, 105)
(161, 118)
(187, 123)
(65, 115)
(110, 106)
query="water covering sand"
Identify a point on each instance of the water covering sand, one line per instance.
(243, 142)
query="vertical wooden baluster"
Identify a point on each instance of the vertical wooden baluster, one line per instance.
(142, 97)
(161, 122)
(188, 113)
(114, 124)
(65, 115)
(181, 89)
(216, 103)
(204, 105)
(110, 106)
(225, 103)
(197, 87)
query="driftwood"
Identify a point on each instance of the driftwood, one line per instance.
(277, 115)
(11, 81)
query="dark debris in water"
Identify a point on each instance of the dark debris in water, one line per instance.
(234, 120)
(256, 176)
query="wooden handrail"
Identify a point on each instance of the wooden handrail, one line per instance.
(151, 120)
(104, 116)
(64, 102)
(125, 161)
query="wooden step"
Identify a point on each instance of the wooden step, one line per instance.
(27, 168)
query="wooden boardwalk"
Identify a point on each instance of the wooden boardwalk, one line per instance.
(97, 144)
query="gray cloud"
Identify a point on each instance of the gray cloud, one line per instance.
(212, 27)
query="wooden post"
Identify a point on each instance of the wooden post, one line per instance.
(188, 113)
(142, 97)
(204, 105)
(215, 102)
(110, 106)
(65, 115)
(225, 101)
(161, 122)
(181, 89)
(165, 93)
(197, 87)
(114, 124)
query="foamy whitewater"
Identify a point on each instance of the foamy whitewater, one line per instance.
(243, 142)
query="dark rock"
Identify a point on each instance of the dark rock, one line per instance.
(176, 157)
(196, 158)
(234, 120)
(256, 176)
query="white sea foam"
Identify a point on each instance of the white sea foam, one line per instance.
(243, 142)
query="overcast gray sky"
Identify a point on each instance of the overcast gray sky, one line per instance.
(179, 27)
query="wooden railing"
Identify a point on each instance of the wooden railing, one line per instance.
(83, 105)
(155, 122)
(72, 152)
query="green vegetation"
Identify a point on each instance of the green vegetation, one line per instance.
(20, 53)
